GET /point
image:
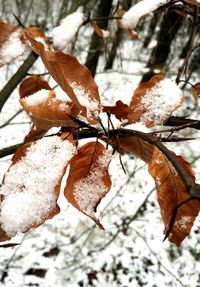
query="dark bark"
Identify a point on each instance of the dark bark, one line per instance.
(96, 44)
(117, 40)
(169, 28)
(151, 29)
(17, 78)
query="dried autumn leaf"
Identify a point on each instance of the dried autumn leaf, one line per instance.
(31, 186)
(38, 35)
(45, 109)
(196, 93)
(120, 110)
(136, 146)
(5, 30)
(3, 235)
(100, 32)
(88, 180)
(11, 44)
(131, 32)
(172, 193)
(31, 85)
(154, 101)
(75, 79)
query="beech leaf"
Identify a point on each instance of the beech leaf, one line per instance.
(74, 78)
(11, 43)
(134, 145)
(120, 110)
(5, 30)
(44, 108)
(196, 93)
(178, 209)
(31, 85)
(31, 186)
(100, 32)
(88, 180)
(154, 101)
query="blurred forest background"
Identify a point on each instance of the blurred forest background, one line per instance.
(69, 250)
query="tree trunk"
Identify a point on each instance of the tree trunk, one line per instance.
(96, 44)
(169, 28)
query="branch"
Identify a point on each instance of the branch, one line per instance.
(183, 68)
(192, 187)
(10, 150)
(179, 121)
(16, 78)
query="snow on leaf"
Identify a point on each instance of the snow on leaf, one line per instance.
(31, 85)
(65, 32)
(172, 193)
(5, 30)
(154, 101)
(44, 108)
(132, 33)
(88, 180)
(31, 186)
(11, 44)
(131, 18)
(38, 35)
(75, 79)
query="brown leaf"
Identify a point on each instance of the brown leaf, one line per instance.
(136, 146)
(120, 110)
(3, 235)
(131, 32)
(100, 32)
(31, 85)
(177, 210)
(50, 112)
(75, 79)
(31, 186)
(11, 44)
(88, 180)
(5, 30)
(152, 102)
(196, 93)
(38, 35)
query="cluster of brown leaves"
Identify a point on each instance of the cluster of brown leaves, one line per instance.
(178, 209)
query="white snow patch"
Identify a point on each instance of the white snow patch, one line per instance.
(131, 18)
(63, 34)
(158, 181)
(138, 127)
(182, 223)
(62, 96)
(29, 184)
(90, 189)
(82, 95)
(41, 40)
(37, 98)
(12, 48)
(63, 107)
(160, 101)
(105, 33)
